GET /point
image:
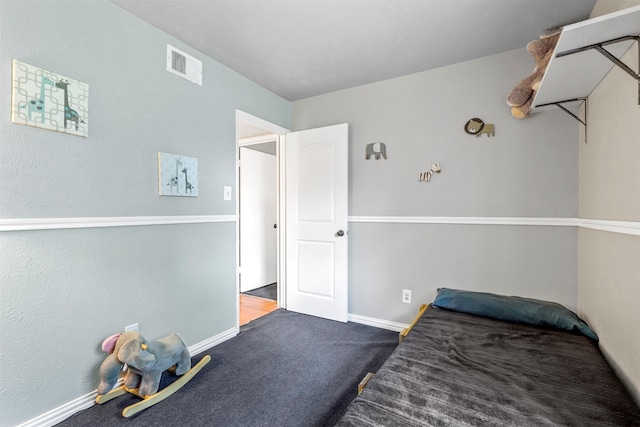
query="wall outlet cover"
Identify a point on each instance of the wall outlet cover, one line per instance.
(406, 296)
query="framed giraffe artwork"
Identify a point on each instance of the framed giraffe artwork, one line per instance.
(177, 175)
(48, 100)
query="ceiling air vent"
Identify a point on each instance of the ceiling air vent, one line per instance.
(183, 65)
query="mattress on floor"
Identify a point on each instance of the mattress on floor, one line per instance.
(458, 369)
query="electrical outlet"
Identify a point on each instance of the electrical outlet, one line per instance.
(133, 327)
(406, 296)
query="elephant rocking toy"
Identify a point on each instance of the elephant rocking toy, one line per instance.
(144, 362)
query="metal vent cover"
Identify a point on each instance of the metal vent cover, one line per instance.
(184, 65)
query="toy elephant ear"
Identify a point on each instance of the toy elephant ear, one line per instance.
(109, 344)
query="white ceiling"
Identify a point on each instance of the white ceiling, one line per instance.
(303, 48)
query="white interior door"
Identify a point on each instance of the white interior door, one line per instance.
(258, 214)
(316, 173)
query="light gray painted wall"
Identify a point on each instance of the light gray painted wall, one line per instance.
(609, 263)
(63, 291)
(608, 295)
(529, 169)
(136, 108)
(609, 161)
(533, 261)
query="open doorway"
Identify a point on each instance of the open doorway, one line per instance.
(258, 230)
(312, 188)
(259, 287)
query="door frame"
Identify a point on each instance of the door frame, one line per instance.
(275, 133)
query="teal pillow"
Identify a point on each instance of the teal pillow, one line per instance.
(512, 309)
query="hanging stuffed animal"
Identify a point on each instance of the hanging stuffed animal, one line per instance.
(520, 99)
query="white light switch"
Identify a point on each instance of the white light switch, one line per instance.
(227, 193)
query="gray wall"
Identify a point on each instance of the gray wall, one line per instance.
(529, 169)
(609, 263)
(63, 291)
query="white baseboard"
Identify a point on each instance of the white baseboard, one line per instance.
(378, 323)
(213, 341)
(63, 412)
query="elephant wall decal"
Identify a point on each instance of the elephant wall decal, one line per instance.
(376, 149)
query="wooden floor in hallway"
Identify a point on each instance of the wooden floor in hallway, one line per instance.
(252, 308)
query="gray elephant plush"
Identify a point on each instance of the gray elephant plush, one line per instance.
(145, 361)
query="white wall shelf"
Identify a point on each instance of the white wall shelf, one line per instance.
(585, 53)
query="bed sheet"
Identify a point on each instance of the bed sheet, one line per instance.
(457, 369)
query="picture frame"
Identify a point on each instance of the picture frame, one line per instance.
(177, 175)
(48, 100)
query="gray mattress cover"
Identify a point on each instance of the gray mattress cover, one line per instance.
(456, 369)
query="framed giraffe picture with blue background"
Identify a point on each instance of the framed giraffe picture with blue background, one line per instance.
(177, 175)
(48, 100)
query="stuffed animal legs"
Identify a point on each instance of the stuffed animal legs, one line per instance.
(520, 99)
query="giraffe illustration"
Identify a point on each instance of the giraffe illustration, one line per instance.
(70, 115)
(36, 105)
(187, 185)
(174, 179)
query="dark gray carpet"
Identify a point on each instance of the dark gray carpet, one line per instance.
(268, 292)
(284, 369)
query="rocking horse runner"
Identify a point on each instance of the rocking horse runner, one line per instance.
(145, 361)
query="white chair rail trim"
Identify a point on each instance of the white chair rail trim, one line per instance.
(25, 224)
(622, 227)
(562, 222)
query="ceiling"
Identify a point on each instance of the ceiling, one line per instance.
(303, 48)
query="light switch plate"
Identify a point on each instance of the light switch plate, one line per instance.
(227, 193)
